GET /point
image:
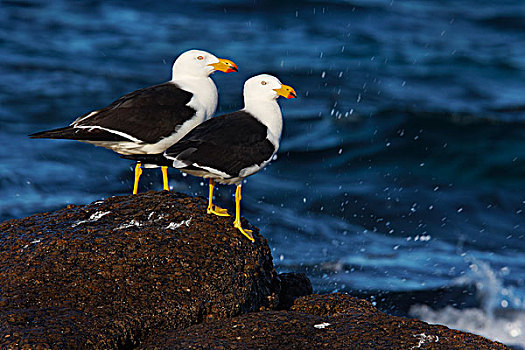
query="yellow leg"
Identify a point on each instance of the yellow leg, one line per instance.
(213, 209)
(138, 172)
(237, 222)
(164, 170)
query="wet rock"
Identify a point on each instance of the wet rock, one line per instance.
(333, 321)
(154, 271)
(293, 286)
(105, 275)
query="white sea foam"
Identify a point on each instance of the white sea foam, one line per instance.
(501, 316)
(507, 328)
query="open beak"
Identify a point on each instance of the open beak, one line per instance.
(286, 91)
(225, 66)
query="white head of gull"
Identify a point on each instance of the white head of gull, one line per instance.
(198, 64)
(260, 100)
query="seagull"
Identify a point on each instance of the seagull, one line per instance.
(149, 120)
(233, 146)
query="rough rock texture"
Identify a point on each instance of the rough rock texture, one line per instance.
(335, 321)
(155, 271)
(106, 274)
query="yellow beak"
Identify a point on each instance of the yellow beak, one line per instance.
(286, 91)
(225, 66)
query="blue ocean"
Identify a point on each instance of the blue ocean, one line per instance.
(401, 172)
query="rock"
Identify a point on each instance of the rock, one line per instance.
(334, 321)
(293, 285)
(105, 275)
(154, 271)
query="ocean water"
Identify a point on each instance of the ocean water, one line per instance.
(400, 176)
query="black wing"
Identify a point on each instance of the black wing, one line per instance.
(148, 115)
(70, 133)
(228, 143)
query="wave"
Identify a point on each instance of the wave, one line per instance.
(499, 316)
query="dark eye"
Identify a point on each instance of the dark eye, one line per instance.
(263, 82)
(200, 58)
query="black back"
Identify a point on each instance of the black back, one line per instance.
(148, 114)
(228, 143)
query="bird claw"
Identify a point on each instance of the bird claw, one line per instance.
(246, 232)
(217, 211)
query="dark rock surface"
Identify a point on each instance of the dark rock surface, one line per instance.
(293, 285)
(334, 321)
(106, 274)
(155, 271)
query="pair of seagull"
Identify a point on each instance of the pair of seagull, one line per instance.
(169, 125)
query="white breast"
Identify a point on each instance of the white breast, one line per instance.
(204, 92)
(267, 112)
